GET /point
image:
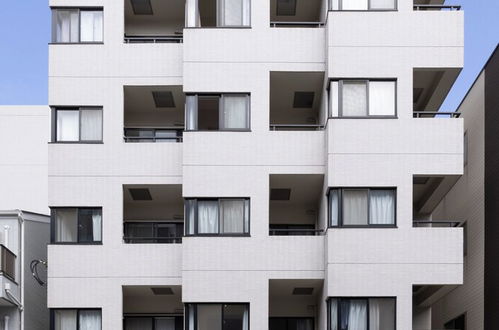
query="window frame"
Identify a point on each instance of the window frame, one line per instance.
(78, 310)
(369, 7)
(55, 109)
(220, 112)
(340, 82)
(328, 301)
(195, 305)
(53, 214)
(340, 207)
(79, 9)
(246, 231)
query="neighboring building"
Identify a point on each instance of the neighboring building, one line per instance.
(24, 220)
(253, 167)
(473, 201)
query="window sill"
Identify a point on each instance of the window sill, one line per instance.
(218, 235)
(75, 243)
(365, 117)
(362, 10)
(218, 27)
(220, 131)
(77, 142)
(77, 43)
(365, 226)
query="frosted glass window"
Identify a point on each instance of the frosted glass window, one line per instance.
(382, 98)
(91, 125)
(355, 206)
(354, 99)
(234, 12)
(333, 208)
(382, 207)
(68, 125)
(382, 4)
(232, 216)
(333, 99)
(65, 319)
(78, 125)
(91, 26)
(354, 4)
(208, 217)
(235, 112)
(66, 225)
(65, 25)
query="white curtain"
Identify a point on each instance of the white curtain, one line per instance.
(382, 98)
(190, 209)
(357, 315)
(333, 99)
(333, 207)
(165, 323)
(90, 320)
(91, 26)
(192, 18)
(68, 125)
(334, 4)
(382, 207)
(233, 12)
(354, 99)
(66, 225)
(355, 207)
(382, 4)
(65, 319)
(208, 217)
(191, 112)
(97, 225)
(235, 111)
(245, 319)
(354, 4)
(246, 12)
(91, 125)
(232, 216)
(65, 26)
(333, 312)
(381, 314)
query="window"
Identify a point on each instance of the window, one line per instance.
(361, 313)
(224, 216)
(291, 323)
(459, 323)
(77, 125)
(76, 225)
(362, 98)
(351, 207)
(153, 232)
(154, 322)
(363, 5)
(217, 112)
(217, 316)
(76, 319)
(228, 13)
(73, 25)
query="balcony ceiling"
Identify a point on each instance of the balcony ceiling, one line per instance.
(306, 11)
(306, 189)
(167, 203)
(165, 14)
(431, 86)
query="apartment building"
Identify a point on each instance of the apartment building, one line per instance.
(472, 201)
(24, 220)
(250, 164)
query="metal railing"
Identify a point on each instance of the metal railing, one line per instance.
(155, 240)
(437, 7)
(296, 24)
(154, 39)
(435, 114)
(295, 127)
(163, 134)
(296, 232)
(429, 223)
(7, 263)
(157, 232)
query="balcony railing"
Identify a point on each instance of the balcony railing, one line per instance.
(437, 7)
(164, 134)
(7, 263)
(435, 114)
(295, 232)
(142, 232)
(295, 127)
(177, 39)
(296, 24)
(433, 224)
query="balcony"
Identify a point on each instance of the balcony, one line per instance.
(296, 101)
(153, 114)
(294, 204)
(153, 214)
(296, 13)
(154, 21)
(7, 263)
(153, 307)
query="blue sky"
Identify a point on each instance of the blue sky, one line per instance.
(25, 26)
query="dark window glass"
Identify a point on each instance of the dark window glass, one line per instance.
(208, 107)
(76, 225)
(233, 317)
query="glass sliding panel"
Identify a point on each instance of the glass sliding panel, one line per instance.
(354, 4)
(191, 112)
(208, 112)
(65, 26)
(382, 207)
(91, 26)
(354, 99)
(208, 217)
(89, 320)
(357, 315)
(209, 317)
(164, 323)
(382, 4)
(89, 225)
(235, 317)
(333, 314)
(333, 207)
(190, 211)
(138, 323)
(235, 112)
(66, 225)
(382, 98)
(230, 12)
(382, 314)
(91, 125)
(68, 125)
(232, 216)
(139, 232)
(355, 207)
(65, 319)
(333, 99)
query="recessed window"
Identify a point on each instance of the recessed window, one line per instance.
(362, 98)
(224, 216)
(76, 225)
(286, 8)
(361, 313)
(163, 99)
(217, 316)
(74, 25)
(77, 125)
(142, 7)
(362, 207)
(76, 319)
(217, 112)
